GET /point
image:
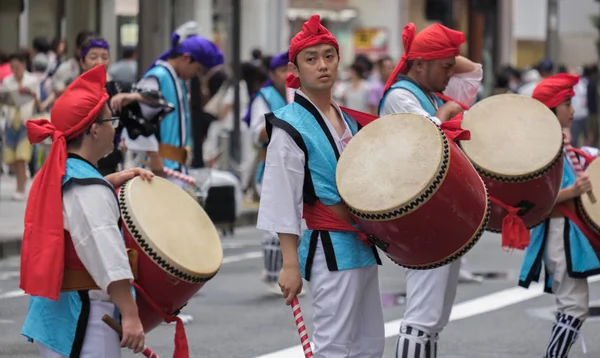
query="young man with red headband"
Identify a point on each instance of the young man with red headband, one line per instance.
(561, 242)
(73, 260)
(306, 138)
(431, 80)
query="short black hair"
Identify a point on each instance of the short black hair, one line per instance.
(82, 36)
(18, 56)
(129, 51)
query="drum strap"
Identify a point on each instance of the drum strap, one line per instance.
(320, 217)
(181, 344)
(514, 232)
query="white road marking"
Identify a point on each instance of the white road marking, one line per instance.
(484, 304)
(12, 294)
(242, 257)
(226, 260)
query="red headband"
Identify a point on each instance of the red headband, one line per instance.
(433, 43)
(556, 89)
(42, 252)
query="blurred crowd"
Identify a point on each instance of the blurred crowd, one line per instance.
(42, 72)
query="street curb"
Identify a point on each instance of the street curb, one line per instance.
(11, 245)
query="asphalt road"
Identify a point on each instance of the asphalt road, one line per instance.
(234, 315)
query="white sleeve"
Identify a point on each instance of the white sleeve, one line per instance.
(463, 87)
(401, 100)
(91, 214)
(280, 207)
(257, 118)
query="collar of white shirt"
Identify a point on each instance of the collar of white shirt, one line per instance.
(347, 133)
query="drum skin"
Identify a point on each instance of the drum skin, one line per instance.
(442, 229)
(168, 284)
(516, 146)
(587, 211)
(425, 228)
(536, 197)
(167, 291)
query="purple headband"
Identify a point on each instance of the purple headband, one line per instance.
(279, 60)
(93, 44)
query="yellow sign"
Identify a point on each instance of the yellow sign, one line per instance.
(371, 40)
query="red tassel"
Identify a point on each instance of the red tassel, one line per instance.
(514, 232)
(181, 345)
(453, 129)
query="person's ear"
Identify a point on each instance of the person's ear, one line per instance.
(293, 69)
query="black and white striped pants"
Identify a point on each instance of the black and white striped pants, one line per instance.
(564, 334)
(414, 343)
(273, 260)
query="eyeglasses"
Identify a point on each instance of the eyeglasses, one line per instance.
(114, 121)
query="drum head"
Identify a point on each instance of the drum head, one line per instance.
(390, 162)
(592, 211)
(173, 225)
(511, 135)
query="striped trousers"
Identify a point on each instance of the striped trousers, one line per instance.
(273, 260)
(414, 343)
(564, 334)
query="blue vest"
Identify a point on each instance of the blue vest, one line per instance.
(272, 97)
(582, 260)
(275, 101)
(407, 84)
(173, 130)
(302, 121)
(60, 325)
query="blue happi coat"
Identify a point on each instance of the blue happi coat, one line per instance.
(582, 260)
(305, 125)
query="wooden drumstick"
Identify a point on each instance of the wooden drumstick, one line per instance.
(147, 352)
(576, 165)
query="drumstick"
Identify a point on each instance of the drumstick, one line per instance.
(576, 165)
(147, 352)
(301, 328)
(177, 175)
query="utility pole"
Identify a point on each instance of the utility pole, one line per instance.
(236, 23)
(552, 42)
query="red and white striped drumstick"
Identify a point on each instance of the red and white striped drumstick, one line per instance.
(301, 328)
(576, 165)
(177, 175)
(146, 352)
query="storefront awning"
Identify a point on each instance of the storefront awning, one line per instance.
(343, 15)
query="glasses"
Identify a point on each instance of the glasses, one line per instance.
(114, 121)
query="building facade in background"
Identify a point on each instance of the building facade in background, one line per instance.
(499, 32)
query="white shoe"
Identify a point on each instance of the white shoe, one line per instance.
(465, 276)
(18, 196)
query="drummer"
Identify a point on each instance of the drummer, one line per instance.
(270, 98)
(558, 243)
(431, 80)
(340, 269)
(71, 224)
(189, 56)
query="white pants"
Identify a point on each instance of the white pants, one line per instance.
(572, 294)
(347, 312)
(430, 296)
(100, 340)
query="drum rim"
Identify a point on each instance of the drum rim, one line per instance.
(461, 251)
(138, 234)
(517, 178)
(422, 197)
(588, 220)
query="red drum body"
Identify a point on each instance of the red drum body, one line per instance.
(178, 247)
(516, 147)
(413, 191)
